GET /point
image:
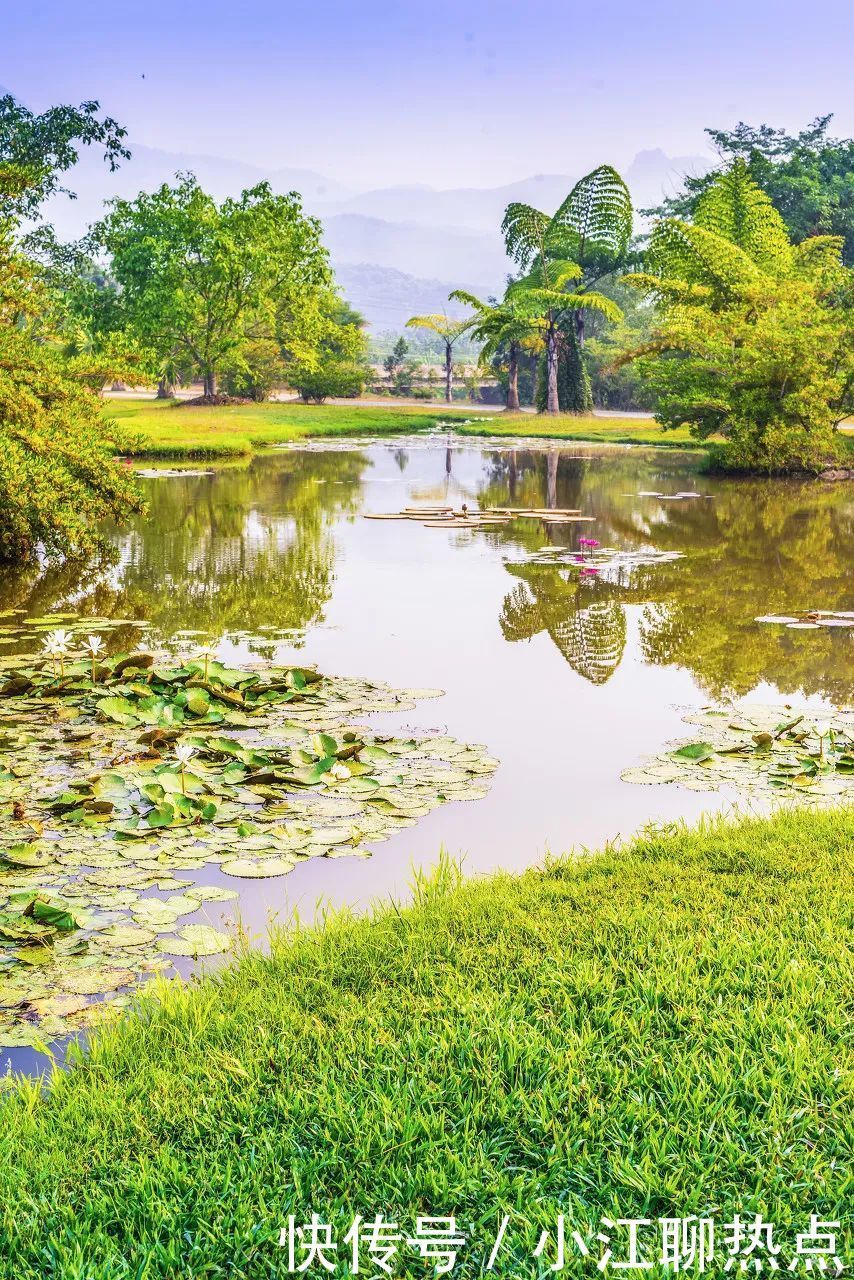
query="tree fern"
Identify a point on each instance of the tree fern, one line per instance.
(524, 229)
(736, 209)
(695, 255)
(595, 220)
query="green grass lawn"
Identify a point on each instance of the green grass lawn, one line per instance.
(233, 431)
(571, 427)
(649, 1032)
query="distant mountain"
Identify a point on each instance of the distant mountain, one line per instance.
(653, 174)
(148, 168)
(417, 248)
(410, 240)
(387, 298)
(464, 208)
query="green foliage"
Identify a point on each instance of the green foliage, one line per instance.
(756, 339)
(808, 177)
(58, 480)
(626, 1035)
(254, 369)
(593, 226)
(450, 331)
(200, 280)
(342, 379)
(36, 150)
(395, 359)
(586, 238)
(575, 394)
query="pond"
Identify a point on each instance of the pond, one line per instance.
(567, 678)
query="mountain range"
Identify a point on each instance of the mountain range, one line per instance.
(396, 250)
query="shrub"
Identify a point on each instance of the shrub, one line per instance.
(342, 379)
(58, 479)
(254, 370)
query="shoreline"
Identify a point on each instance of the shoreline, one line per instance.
(648, 1030)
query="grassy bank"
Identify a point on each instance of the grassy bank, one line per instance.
(571, 427)
(232, 431)
(169, 431)
(649, 1032)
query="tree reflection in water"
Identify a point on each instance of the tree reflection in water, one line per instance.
(753, 547)
(242, 548)
(589, 631)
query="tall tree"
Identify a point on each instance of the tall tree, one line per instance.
(808, 176)
(497, 325)
(199, 279)
(588, 237)
(756, 337)
(450, 331)
(58, 479)
(36, 150)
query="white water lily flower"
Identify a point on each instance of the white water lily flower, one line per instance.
(94, 644)
(184, 753)
(61, 640)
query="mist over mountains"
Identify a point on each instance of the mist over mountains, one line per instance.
(396, 250)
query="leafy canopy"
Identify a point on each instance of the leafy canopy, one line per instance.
(809, 178)
(756, 338)
(58, 480)
(199, 279)
(35, 150)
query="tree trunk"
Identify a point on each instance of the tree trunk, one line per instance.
(551, 479)
(513, 378)
(210, 384)
(165, 390)
(449, 374)
(574, 390)
(552, 405)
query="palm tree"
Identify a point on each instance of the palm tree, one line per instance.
(542, 297)
(588, 237)
(497, 324)
(449, 331)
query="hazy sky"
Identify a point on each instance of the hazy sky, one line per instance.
(451, 92)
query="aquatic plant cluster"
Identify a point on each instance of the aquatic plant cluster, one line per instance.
(780, 753)
(118, 772)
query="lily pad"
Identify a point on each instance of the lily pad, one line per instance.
(196, 940)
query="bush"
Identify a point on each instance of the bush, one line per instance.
(58, 479)
(342, 379)
(255, 370)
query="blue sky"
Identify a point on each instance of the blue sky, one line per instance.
(447, 93)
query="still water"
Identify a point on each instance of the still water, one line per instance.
(567, 682)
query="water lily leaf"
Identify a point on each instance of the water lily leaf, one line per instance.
(196, 940)
(36, 956)
(59, 1006)
(134, 661)
(257, 869)
(211, 893)
(61, 918)
(120, 710)
(161, 816)
(21, 928)
(26, 855)
(697, 751)
(97, 981)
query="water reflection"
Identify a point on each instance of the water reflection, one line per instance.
(748, 548)
(588, 629)
(237, 549)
